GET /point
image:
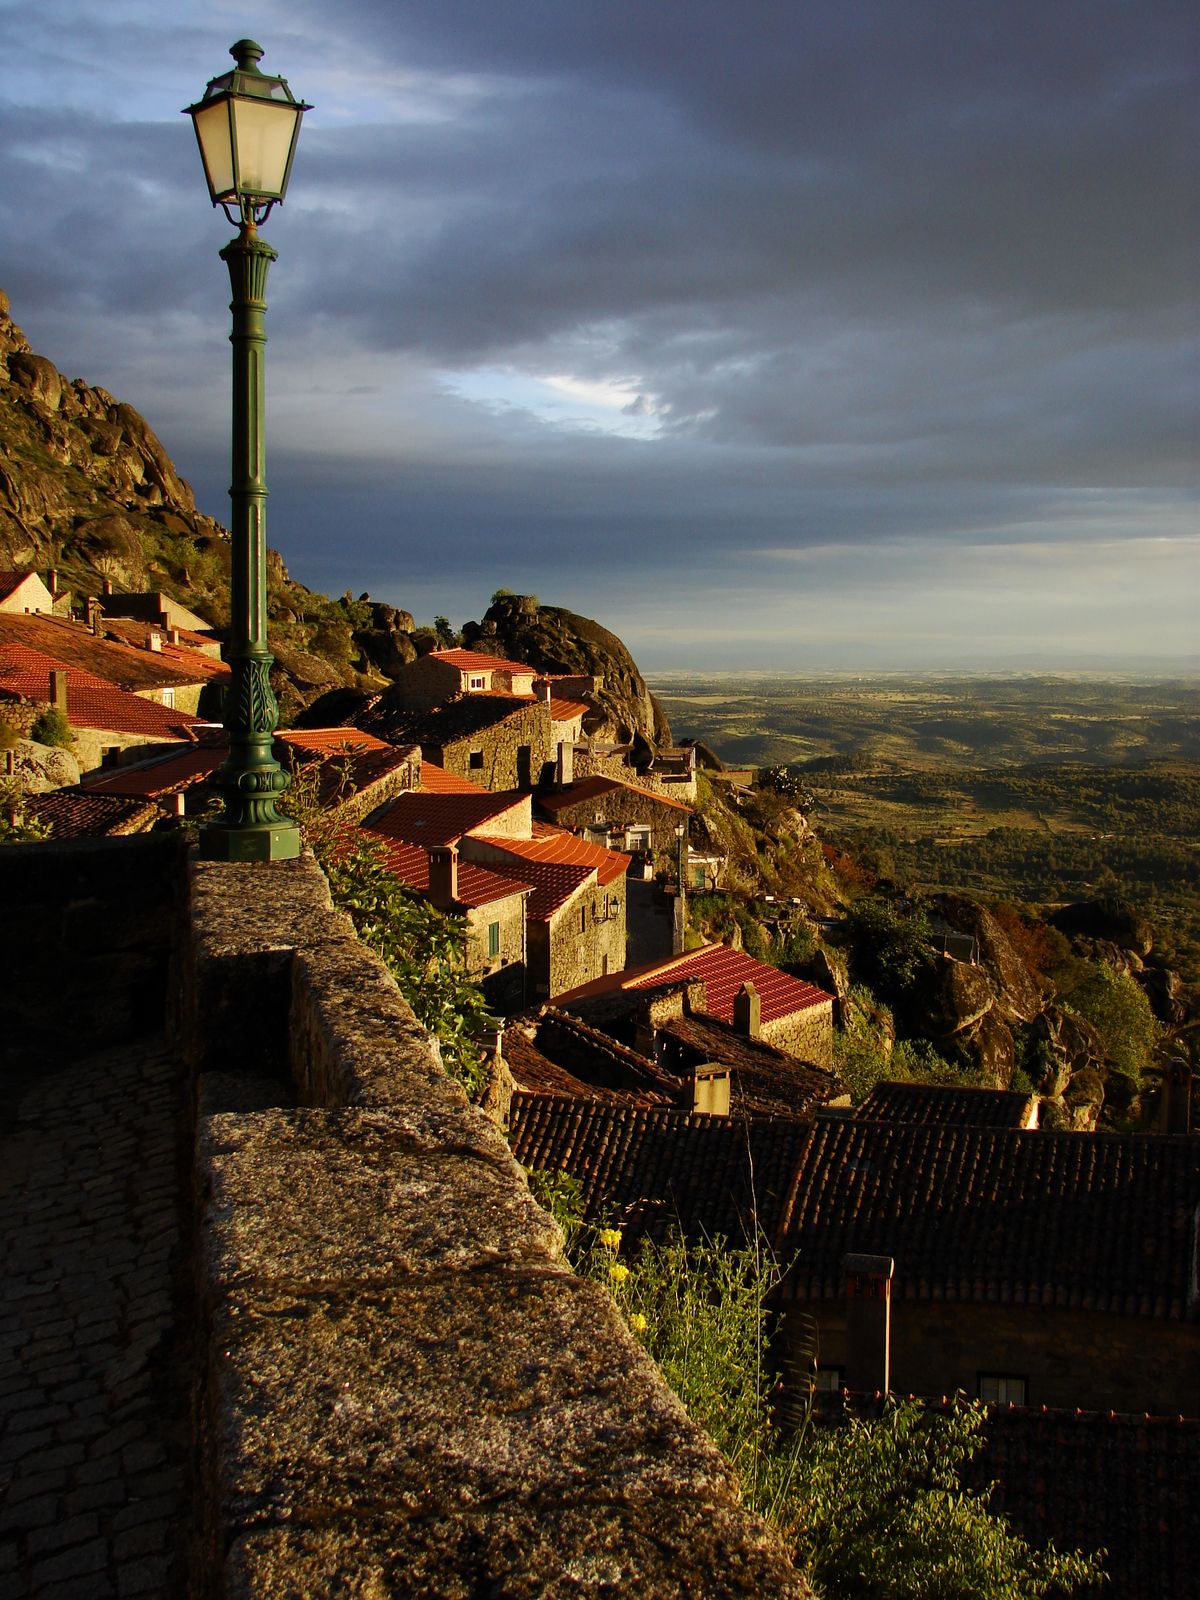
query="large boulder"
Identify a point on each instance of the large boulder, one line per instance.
(1110, 919)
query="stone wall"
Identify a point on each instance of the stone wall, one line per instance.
(807, 1034)
(405, 1391)
(582, 940)
(86, 930)
(1069, 1358)
(500, 748)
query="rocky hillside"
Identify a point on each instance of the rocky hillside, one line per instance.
(86, 488)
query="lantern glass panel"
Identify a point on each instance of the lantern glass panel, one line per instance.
(216, 146)
(263, 130)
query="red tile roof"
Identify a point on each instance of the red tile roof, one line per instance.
(473, 660)
(428, 819)
(162, 775)
(592, 788)
(649, 1169)
(92, 702)
(77, 814)
(936, 1103)
(567, 710)
(119, 664)
(436, 780)
(553, 883)
(203, 664)
(476, 885)
(723, 971)
(563, 849)
(1102, 1222)
(333, 741)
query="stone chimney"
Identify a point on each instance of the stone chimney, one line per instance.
(58, 689)
(52, 580)
(1176, 1114)
(108, 588)
(93, 608)
(544, 688)
(710, 1091)
(869, 1322)
(154, 642)
(443, 875)
(565, 765)
(747, 1011)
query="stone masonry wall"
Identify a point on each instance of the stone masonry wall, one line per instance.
(807, 1034)
(406, 1392)
(1069, 1358)
(86, 929)
(500, 747)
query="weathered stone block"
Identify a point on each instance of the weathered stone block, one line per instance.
(313, 1198)
(517, 1436)
(373, 1052)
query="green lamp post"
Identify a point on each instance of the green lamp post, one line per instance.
(246, 126)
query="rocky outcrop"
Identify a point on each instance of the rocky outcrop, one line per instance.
(555, 640)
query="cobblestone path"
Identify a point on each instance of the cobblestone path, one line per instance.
(94, 1369)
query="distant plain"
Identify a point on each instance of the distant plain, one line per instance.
(1036, 788)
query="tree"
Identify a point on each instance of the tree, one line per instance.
(1118, 1010)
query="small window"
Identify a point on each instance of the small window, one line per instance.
(1001, 1388)
(583, 919)
(493, 938)
(476, 760)
(828, 1380)
(168, 698)
(476, 683)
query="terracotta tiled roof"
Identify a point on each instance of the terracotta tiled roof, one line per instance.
(428, 819)
(475, 661)
(436, 780)
(1088, 1479)
(333, 741)
(115, 663)
(1102, 1222)
(563, 849)
(593, 788)
(460, 718)
(567, 710)
(92, 702)
(163, 775)
(723, 972)
(650, 1169)
(553, 884)
(597, 1058)
(78, 814)
(203, 665)
(476, 885)
(935, 1103)
(766, 1082)
(535, 1073)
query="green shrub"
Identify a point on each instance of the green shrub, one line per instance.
(52, 728)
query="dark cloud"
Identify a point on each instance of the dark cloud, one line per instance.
(884, 272)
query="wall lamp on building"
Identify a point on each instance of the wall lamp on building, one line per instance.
(247, 124)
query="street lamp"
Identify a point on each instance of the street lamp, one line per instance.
(246, 126)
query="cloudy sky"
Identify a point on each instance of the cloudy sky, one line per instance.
(775, 333)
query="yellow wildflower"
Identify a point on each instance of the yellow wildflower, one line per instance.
(618, 1272)
(638, 1322)
(610, 1238)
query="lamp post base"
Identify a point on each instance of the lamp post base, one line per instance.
(273, 842)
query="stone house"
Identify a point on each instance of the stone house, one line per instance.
(621, 815)
(104, 719)
(22, 592)
(431, 680)
(576, 913)
(176, 676)
(351, 771)
(1017, 1265)
(492, 906)
(794, 1016)
(495, 740)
